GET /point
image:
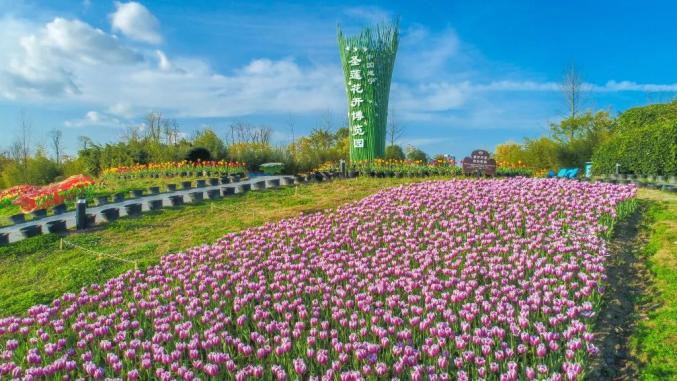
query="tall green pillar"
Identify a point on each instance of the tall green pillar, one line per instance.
(368, 59)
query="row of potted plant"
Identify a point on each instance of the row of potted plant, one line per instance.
(176, 168)
(394, 168)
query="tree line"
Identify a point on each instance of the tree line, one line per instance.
(641, 140)
(160, 139)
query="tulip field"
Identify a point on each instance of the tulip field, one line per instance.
(439, 280)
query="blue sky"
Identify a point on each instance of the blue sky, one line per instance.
(468, 74)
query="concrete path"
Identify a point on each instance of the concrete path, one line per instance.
(256, 183)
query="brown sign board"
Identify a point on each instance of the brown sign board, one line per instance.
(479, 163)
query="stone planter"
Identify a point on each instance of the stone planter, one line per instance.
(119, 197)
(133, 209)
(59, 209)
(110, 214)
(136, 193)
(235, 178)
(176, 200)
(154, 190)
(154, 204)
(196, 197)
(258, 185)
(91, 220)
(4, 239)
(213, 194)
(227, 191)
(272, 183)
(213, 181)
(31, 231)
(101, 200)
(171, 187)
(186, 184)
(225, 180)
(243, 188)
(200, 183)
(287, 181)
(17, 218)
(57, 226)
(39, 213)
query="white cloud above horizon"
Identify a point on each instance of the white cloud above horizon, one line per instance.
(136, 22)
(72, 63)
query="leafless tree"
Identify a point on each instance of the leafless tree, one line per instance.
(243, 132)
(291, 123)
(56, 136)
(171, 130)
(572, 88)
(153, 126)
(395, 129)
(327, 122)
(132, 134)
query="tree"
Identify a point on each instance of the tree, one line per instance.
(572, 88)
(208, 139)
(198, 153)
(509, 153)
(55, 136)
(395, 129)
(644, 142)
(415, 154)
(394, 152)
(243, 132)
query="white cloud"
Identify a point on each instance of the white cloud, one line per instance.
(370, 14)
(43, 63)
(71, 63)
(93, 119)
(136, 22)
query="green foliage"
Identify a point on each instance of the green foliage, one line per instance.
(541, 153)
(394, 152)
(319, 147)
(255, 154)
(509, 153)
(208, 139)
(645, 142)
(198, 154)
(571, 144)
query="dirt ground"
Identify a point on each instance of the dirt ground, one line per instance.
(625, 302)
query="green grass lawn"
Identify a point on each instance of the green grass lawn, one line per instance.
(655, 342)
(37, 270)
(106, 187)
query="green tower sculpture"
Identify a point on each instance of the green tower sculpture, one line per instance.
(368, 59)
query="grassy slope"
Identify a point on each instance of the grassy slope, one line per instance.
(36, 270)
(655, 342)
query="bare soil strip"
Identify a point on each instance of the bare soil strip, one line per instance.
(626, 302)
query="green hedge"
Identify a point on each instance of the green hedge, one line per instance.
(644, 143)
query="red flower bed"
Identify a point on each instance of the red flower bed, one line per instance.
(10, 194)
(54, 194)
